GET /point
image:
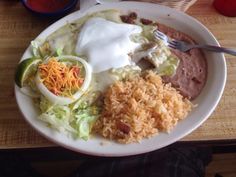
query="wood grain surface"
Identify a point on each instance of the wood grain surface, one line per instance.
(18, 27)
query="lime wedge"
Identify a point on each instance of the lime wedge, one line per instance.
(25, 69)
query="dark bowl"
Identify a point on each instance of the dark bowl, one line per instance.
(58, 13)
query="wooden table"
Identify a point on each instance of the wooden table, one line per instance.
(18, 27)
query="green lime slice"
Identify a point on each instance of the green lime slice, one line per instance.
(25, 69)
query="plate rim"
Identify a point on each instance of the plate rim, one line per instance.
(134, 152)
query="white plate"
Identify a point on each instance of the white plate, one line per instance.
(207, 100)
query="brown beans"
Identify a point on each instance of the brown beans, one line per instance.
(146, 21)
(127, 19)
(133, 15)
(123, 127)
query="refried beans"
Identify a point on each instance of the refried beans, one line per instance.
(191, 73)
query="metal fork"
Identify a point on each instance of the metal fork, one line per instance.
(184, 47)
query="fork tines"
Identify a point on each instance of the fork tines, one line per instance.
(170, 43)
(173, 44)
(159, 35)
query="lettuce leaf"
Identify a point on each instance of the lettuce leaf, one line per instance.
(76, 119)
(168, 67)
(83, 120)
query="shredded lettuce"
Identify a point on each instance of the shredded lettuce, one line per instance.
(148, 31)
(58, 117)
(125, 72)
(84, 118)
(168, 67)
(35, 48)
(40, 49)
(59, 51)
(163, 60)
(139, 39)
(76, 120)
(159, 56)
(44, 50)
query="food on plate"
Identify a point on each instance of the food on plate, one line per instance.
(107, 74)
(106, 44)
(59, 78)
(140, 107)
(62, 80)
(191, 74)
(26, 70)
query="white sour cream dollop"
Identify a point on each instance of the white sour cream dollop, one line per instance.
(106, 44)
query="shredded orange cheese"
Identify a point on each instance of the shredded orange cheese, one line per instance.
(59, 78)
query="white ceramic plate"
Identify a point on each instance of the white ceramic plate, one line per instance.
(207, 100)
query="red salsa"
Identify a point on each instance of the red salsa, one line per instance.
(226, 7)
(47, 5)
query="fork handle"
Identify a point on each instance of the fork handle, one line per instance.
(217, 49)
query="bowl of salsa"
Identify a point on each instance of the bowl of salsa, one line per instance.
(50, 8)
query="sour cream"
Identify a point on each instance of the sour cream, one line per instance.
(106, 44)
